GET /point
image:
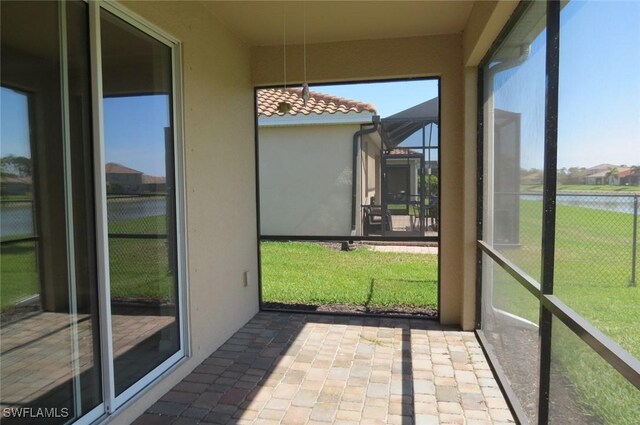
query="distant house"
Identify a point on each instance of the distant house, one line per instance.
(628, 177)
(154, 184)
(597, 175)
(535, 177)
(14, 185)
(601, 174)
(403, 170)
(123, 180)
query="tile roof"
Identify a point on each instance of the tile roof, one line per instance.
(319, 103)
(403, 151)
(625, 172)
(113, 168)
(601, 167)
(153, 179)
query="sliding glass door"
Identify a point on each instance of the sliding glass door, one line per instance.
(138, 128)
(50, 340)
(89, 263)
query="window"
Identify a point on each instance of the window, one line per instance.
(64, 347)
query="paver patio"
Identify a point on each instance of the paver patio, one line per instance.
(312, 369)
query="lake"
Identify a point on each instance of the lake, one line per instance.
(616, 203)
(16, 217)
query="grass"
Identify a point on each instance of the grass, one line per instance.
(18, 272)
(138, 267)
(16, 197)
(147, 225)
(582, 188)
(601, 391)
(593, 267)
(309, 273)
(139, 270)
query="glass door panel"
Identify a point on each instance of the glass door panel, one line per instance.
(48, 295)
(138, 128)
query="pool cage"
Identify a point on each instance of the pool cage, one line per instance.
(409, 161)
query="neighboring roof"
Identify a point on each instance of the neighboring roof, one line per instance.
(403, 151)
(622, 172)
(625, 172)
(153, 179)
(596, 175)
(113, 168)
(602, 167)
(319, 103)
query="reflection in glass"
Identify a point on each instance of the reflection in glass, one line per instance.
(584, 388)
(510, 324)
(140, 199)
(48, 312)
(599, 166)
(514, 141)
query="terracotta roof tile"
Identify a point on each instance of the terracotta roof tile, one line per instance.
(153, 179)
(319, 103)
(114, 168)
(403, 151)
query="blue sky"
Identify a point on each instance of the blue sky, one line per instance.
(388, 97)
(599, 114)
(14, 131)
(134, 129)
(134, 132)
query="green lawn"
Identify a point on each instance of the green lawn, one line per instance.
(139, 270)
(147, 225)
(309, 273)
(593, 266)
(18, 272)
(139, 267)
(593, 269)
(5, 197)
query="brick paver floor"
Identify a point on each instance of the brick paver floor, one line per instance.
(285, 368)
(36, 353)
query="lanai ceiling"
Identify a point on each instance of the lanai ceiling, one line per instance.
(260, 23)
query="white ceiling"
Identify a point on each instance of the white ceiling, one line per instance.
(261, 23)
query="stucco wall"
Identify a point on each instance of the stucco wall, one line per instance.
(437, 56)
(305, 179)
(370, 162)
(220, 181)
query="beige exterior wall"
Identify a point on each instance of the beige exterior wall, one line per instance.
(305, 179)
(370, 186)
(485, 23)
(220, 182)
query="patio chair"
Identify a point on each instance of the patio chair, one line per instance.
(373, 221)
